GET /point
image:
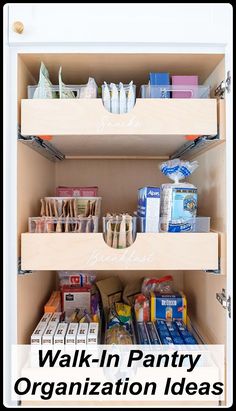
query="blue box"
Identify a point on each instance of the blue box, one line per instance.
(142, 333)
(166, 340)
(164, 333)
(152, 334)
(190, 340)
(168, 307)
(178, 340)
(159, 79)
(149, 209)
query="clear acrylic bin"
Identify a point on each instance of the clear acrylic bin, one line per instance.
(148, 91)
(141, 226)
(116, 235)
(75, 88)
(63, 225)
(192, 225)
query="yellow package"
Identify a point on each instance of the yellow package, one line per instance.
(123, 311)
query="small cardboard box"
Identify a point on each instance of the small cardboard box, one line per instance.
(92, 337)
(72, 333)
(110, 290)
(188, 86)
(149, 209)
(168, 307)
(59, 336)
(56, 317)
(76, 191)
(54, 303)
(36, 337)
(46, 318)
(49, 333)
(82, 334)
(131, 290)
(76, 298)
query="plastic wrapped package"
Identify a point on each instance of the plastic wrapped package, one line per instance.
(106, 97)
(44, 87)
(118, 98)
(119, 325)
(114, 99)
(90, 90)
(130, 97)
(178, 200)
(123, 103)
(64, 91)
(163, 285)
(68, 278)
(142, 308)
(117, 335)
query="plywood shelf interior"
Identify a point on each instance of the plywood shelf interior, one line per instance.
(150, 251)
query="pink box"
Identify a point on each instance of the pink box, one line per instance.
(76, 191)
(185, 83)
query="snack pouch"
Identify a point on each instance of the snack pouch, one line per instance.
(64, 91)
(106, 97)
(114, 99)
(90, 90)
(178, 200)
(122, 101)
(130, 97)
(44, 88)
(123, 312)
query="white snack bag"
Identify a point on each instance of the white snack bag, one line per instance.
(89, 91)
(123, 103)
(64, 92)
(114, 99)
(44, 88)
(106, 97)
(130, 97)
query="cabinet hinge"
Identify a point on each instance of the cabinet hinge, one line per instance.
(224, 86)
(43, 147)
(20, 271)
(195, 145)
(224, 301)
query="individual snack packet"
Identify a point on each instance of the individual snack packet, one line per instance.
(129, 234)
(130, 97)
(114, 99)
(44, 87)
(90, 90)
(106, 97)
(122, 232)
(64, 91)
(116, 234)
(122, 100)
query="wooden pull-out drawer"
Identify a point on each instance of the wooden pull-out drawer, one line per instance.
(150, 251)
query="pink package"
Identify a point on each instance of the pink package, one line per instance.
(76, 191)
(186, 82)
